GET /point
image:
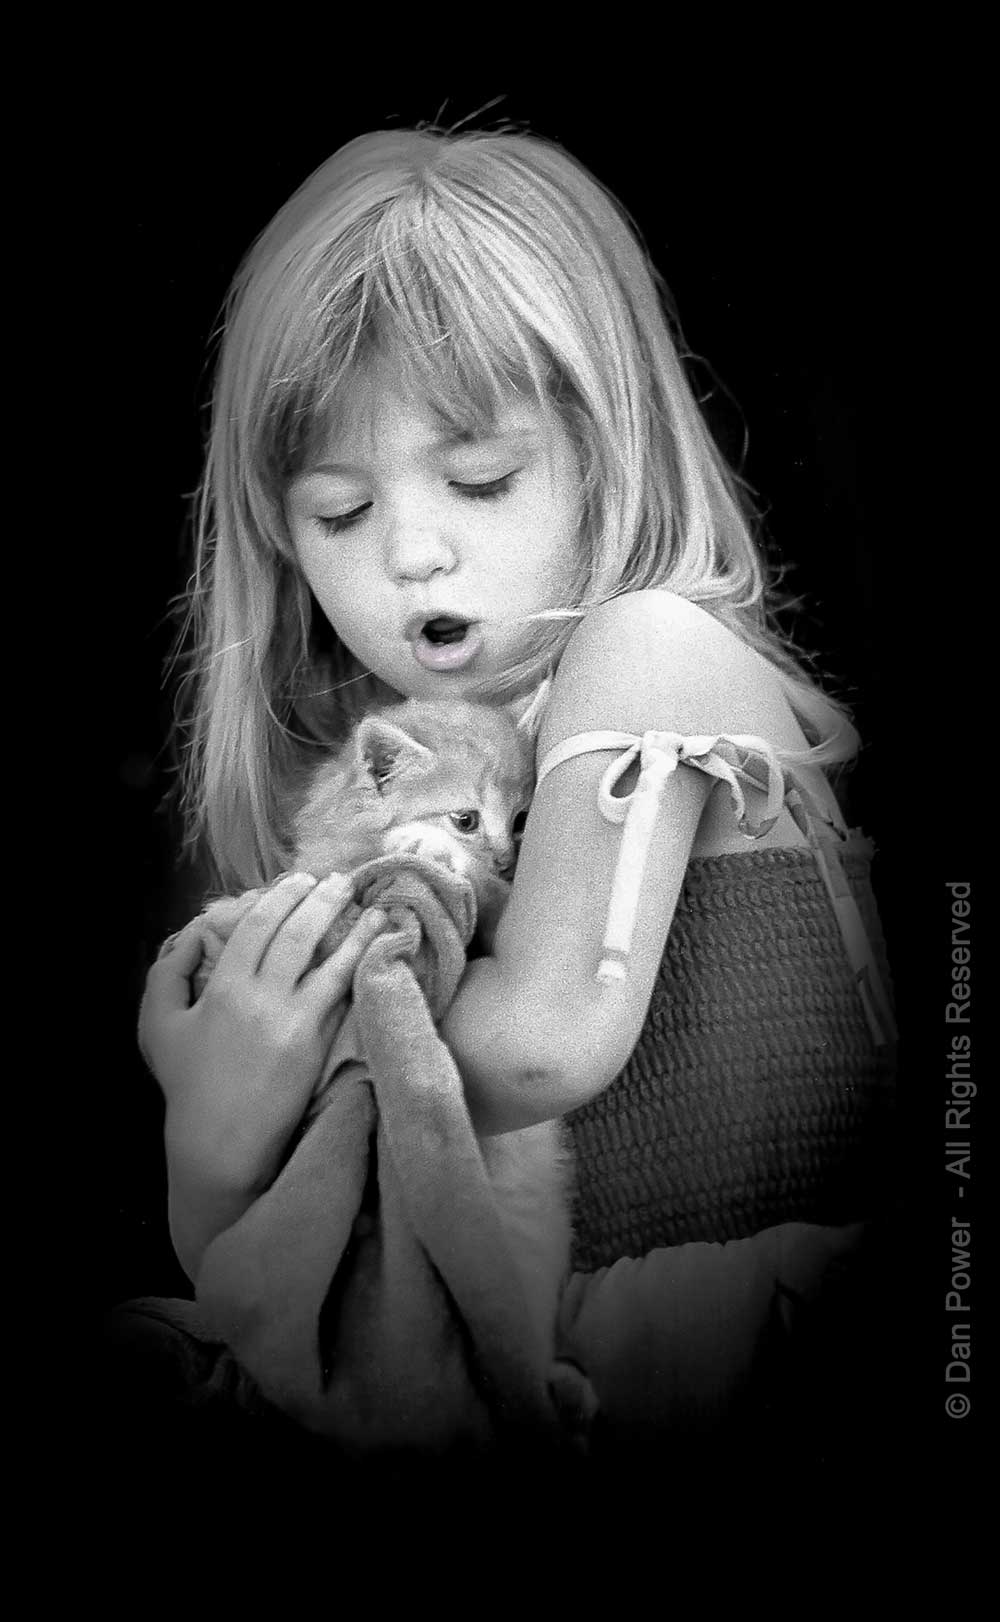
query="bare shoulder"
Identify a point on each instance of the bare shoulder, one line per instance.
(651, 659)
(652, 610)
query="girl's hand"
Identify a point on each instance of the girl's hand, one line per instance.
(238, 1066)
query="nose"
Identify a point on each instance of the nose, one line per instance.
(418, 551)
(505, 859)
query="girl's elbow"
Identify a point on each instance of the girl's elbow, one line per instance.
(518, 1084)
(528, 1057)
(563, 1062)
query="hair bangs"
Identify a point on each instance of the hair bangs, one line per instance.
(448, 318)
(301, 395)
(434, 313)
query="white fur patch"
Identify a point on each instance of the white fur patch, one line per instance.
(430, 841)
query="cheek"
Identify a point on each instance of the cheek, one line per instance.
(311, 566)
(534, 562)
(555, 529)
(339, 598)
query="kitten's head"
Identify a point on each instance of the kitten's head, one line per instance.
(453, 780)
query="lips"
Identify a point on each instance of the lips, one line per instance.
(444, 643)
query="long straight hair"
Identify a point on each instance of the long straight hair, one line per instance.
(481, 264)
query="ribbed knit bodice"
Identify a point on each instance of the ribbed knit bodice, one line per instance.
(756, 1094)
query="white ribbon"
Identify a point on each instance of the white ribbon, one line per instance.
(758, 790)
(747, 764)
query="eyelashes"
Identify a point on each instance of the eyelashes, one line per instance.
(490, 490)
(335, 526)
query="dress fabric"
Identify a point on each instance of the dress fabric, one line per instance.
(755, 1094)
(735, 1165)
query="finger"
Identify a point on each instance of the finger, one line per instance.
(167, 983)
(331, 982)
(293, 947)
(181, 941)
(247, 946)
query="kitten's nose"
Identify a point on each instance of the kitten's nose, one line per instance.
(505, 861)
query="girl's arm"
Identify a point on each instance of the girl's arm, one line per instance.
(533, 1032)
(238, 1066)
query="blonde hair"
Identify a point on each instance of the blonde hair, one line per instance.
(480, 263)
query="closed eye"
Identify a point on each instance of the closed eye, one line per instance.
(341, 521)
(489, 490)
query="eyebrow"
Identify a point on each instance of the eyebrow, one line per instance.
(513, 439)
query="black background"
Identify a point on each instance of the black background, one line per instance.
(791, 225)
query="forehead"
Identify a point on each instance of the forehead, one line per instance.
(480, 749)
(456, 784)
(372, 415)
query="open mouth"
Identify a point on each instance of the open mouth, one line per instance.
(444, 631)
(444, 642)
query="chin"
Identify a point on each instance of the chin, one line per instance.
(427, 684)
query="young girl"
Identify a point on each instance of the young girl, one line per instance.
(453, 451)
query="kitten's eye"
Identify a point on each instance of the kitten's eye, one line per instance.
(465, 821)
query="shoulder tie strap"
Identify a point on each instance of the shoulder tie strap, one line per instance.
(824, 838)
(758, 789)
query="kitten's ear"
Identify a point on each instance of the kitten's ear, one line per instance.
(529, 709)
(384, 750)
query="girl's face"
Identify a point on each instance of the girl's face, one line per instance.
(425, 553)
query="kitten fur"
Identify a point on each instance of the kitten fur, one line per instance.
(451, 781)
